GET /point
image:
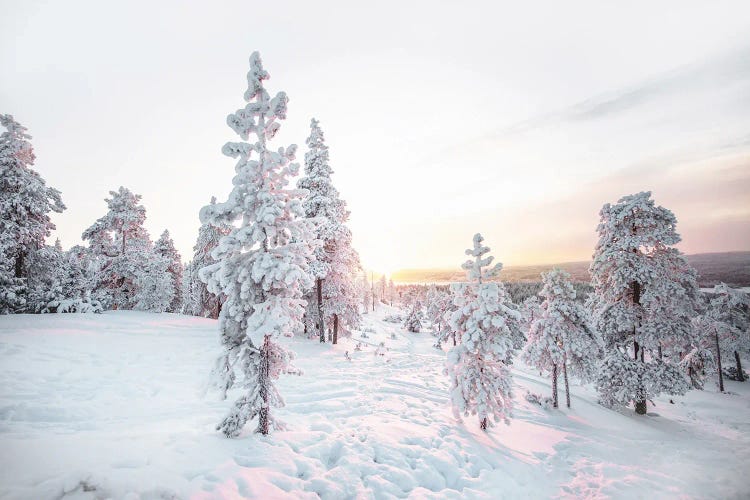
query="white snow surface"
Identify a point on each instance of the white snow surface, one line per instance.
(113, 406)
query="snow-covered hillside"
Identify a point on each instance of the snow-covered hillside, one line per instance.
(113, 406)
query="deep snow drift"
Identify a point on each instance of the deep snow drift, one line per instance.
(112, 405)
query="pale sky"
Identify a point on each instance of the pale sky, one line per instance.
(514, 119)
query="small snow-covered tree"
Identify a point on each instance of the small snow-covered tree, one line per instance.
(203, 302)
(478, 366)
(154, 284)
(262, 265)
(413, 320)
(164, 247)
(725, 323)
(643, 298)
(559, 337)
(340, 294)
(439, 302)
(391, 292)
(25, 206)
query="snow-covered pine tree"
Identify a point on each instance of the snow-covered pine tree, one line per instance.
(25, 206)
(204, 302)
(725, 322)
(122, 245)
(413, 320)
(262, 264)
(560, 337)
(164, 247)
(439, 302)
(382, 288)
(335, 259)
(391, 292)
(481, 381)
(340, 294)
(154, 284)
(643, 292)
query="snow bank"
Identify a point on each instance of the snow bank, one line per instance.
(112, 405)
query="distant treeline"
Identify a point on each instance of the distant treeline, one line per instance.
(732, 268)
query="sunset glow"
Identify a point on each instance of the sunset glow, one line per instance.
(432, 138)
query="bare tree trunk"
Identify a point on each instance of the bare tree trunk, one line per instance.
(554, 385)
(567, 386)
(263, 381)
(718, 363)
(640, 405)
(335, 328)
(20, 264)
(483, 424)
(740, 376)
(321, 327)
(454, 339)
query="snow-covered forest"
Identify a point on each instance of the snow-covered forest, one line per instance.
(271, 363)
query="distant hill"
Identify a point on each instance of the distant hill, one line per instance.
(732, 268)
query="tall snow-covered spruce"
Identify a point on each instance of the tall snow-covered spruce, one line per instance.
(642, 304)
(25, 205)
(487, 332)
(262, 264)
(334, 299)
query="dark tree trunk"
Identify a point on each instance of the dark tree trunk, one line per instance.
(335, 328)
(554, 385)
(567, 386)
(718, 363)
(263, 414)
(454, 339)
(123, 243)
(660, 353)
(321, 328)
(19, 264)
(483, 424)
(640, 405)
(740, 376)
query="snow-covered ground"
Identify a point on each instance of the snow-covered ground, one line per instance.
(113, 406)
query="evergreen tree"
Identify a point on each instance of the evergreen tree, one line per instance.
(164, 247)
(439, 303)
(413, 321)
(482, 322)
(122, 246)
(340, 295)
(335, 262)
(391, 292)
(725, 323)
(154, 284)
(559, 337)
(25, 206)
(204, 302)
(643, 295)
(189, 304)
(262, 264)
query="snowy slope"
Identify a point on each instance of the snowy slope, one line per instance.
(112, 405)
